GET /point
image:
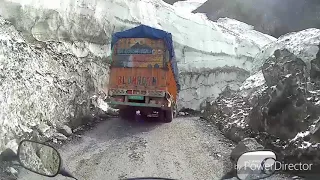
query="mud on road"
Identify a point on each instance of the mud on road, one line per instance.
(187, 148)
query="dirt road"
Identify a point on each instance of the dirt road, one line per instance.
(185, 149)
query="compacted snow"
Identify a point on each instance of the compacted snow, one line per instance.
(188, 5)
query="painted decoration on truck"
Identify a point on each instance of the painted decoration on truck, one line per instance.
(131, 78)
(137, 80)
(139, 52)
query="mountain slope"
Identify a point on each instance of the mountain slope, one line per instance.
(268, 16)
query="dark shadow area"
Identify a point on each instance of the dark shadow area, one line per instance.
(117, 128)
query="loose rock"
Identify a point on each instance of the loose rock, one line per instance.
(65, 130)
(247, 144)
(60, 136)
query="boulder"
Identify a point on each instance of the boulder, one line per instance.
(285, 108)
(65, 130)
(60, 136)
(8, 155)
(279, 104)
(247, 144)
(230, 114)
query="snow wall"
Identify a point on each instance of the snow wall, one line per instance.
(210, 55)
(201, 45)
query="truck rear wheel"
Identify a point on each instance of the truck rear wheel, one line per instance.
(168, 115)
(127, 113)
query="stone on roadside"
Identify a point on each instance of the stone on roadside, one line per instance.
(8, 155)
(65, 130)
(12, 171)
(182, 114)
(247, 144)
(60, 136)
(112, 111)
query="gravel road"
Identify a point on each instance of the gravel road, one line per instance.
(187, 148)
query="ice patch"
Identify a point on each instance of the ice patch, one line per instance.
(5, 37)
(300, 135)
(304, 145)
(103, 105)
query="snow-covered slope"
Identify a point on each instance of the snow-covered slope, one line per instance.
(188, 5)
(202, 46)
(304, 44)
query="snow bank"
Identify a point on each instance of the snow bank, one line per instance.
(304, 44)
(188, 5)
(42, 88)
(85, 27)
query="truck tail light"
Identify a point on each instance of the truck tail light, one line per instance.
(157, 101)
(118, 99)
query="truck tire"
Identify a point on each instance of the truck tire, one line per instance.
(175, 111)
(168, 116)
(127, 113)
(161, 115)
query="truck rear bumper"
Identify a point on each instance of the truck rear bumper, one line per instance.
(136, 104)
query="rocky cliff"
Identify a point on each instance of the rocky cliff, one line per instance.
(279, 104)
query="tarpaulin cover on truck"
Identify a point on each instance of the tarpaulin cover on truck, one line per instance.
(144, 31)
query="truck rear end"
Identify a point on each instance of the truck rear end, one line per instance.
(143, 74)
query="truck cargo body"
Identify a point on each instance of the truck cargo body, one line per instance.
(142, 76)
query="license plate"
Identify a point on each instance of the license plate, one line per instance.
(136, 97)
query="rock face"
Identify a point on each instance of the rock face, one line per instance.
(229, 112)
(280, 104)
(42, 87)
(223, 49)
(284, 107)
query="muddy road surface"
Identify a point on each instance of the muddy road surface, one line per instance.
(187, 148)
